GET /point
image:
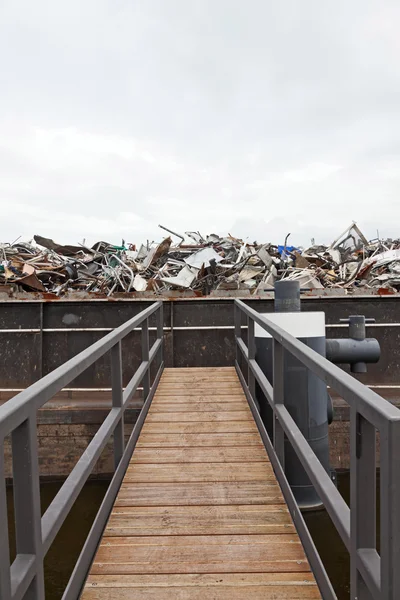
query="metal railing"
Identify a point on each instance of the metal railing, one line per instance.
(24, 578)
(373, 575)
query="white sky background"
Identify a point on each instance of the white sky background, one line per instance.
(252, 117)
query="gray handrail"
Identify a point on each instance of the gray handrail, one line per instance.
(372, 575)
(18, 417)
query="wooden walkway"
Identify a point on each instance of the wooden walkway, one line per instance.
(200, 515)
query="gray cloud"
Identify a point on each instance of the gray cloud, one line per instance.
(257, 118)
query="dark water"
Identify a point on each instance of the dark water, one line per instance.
(62, 556)
(329, 544)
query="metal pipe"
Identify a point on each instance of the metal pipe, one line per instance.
(287, 296)
(173, 233)
(353, 351)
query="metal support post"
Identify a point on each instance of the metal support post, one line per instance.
(28, 526)
(117, 401)
(238, 330)
(390, 510)
(5, 583)
(160, 330)
(279, 436)
(251, 345)
(145, 357)
(362, 502)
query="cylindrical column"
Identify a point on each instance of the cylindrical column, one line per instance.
(287, 296)
(357, 327)
(305, 395)
(357, 332)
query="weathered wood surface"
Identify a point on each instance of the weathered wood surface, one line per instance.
(200, 514)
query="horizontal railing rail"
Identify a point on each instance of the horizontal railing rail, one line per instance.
(373, 575)
(24, 578)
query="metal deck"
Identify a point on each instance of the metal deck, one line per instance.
(200, 514)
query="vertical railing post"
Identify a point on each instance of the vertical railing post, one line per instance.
(238, 331)
(278, 380)
(40, 361)
(117, 401)
(390, 510)
(5, 583)
(251, 345)
(160, 330)
(362, 498)
(145, 357)
(28, 526)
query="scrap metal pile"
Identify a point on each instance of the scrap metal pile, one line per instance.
(202, 264)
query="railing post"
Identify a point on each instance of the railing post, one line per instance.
(28, 526)
(117, 401)
(390, 510)
(278, 381)
(238, 331)
(362, 498)
(160, 330)
(145, 357)
(251, 345)
(5, 584)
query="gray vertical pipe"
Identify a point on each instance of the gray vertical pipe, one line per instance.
(287, 296)
(305, 397)
(306, 400)
(357, 332)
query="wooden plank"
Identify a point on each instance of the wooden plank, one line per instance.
(203, 382)
(169, 370)
(203, 540)
(226, 586)
(223, 385)
(199, 370)
(199, 520)
(209, 472)
(272, 592)
(172, 387)
(201, 427)
(201, 397)
(202, 494)
(189, 391)
(156, 526)
(235, 580)
(198, 455)
(178, 440)
(216, 376)
(204, 379)
(198, 556)
(171, 406)
(187, 417)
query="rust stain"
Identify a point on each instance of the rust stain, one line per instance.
(386, 292)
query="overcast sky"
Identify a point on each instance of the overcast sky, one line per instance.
(254, 117)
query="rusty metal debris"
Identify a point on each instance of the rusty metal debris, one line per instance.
(200, 264)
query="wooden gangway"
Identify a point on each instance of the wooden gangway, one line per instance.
(200, 515)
